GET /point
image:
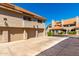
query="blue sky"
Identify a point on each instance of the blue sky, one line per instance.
(52, 11)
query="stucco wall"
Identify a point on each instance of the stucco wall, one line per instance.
(9, 30)
(28, 24)
(31, 24)
(13, 19)
(16, 20)
(41, 25)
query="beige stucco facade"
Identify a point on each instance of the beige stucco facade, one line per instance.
(13, 27)
(65, 26)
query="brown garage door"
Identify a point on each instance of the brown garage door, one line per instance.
(15, 34)
(30, 33)
(40, 32)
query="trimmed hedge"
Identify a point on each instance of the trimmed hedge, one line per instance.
(61, 33)
(50, 33)
(72, 32)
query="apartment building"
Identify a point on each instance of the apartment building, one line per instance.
(65, 26)
(17, 23)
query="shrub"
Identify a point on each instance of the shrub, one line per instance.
(50, 33)
(72, 32)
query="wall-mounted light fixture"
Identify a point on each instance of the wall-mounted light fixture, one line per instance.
(5, 19)
(6, 24)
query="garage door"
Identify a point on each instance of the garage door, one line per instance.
(15, 34)
(30, 33)
(40, 32)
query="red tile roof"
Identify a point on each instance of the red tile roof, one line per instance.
(57, 28)
(69, 21)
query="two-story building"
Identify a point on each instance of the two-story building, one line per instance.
(66, 26)
(17, 23)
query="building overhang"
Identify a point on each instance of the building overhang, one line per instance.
(15, 8)
(56, 29)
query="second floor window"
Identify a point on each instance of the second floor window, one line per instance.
(72, 24)
(65, 25)
(26, 18)
(34, 20)
(69, 25)
(39, 21)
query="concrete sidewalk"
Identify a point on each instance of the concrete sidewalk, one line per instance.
(29, 47)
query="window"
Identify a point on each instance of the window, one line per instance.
(26, 18)
(39, 21)
(65, 25)
(72, 25)
(29, 19)
(34, 20)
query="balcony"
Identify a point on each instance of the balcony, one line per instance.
(40, 25)
(31, 24)
(72, 27)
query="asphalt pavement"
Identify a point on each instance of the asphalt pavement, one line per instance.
(68, 47)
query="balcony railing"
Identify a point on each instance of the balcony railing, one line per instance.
(72, 27)
(32, 24)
